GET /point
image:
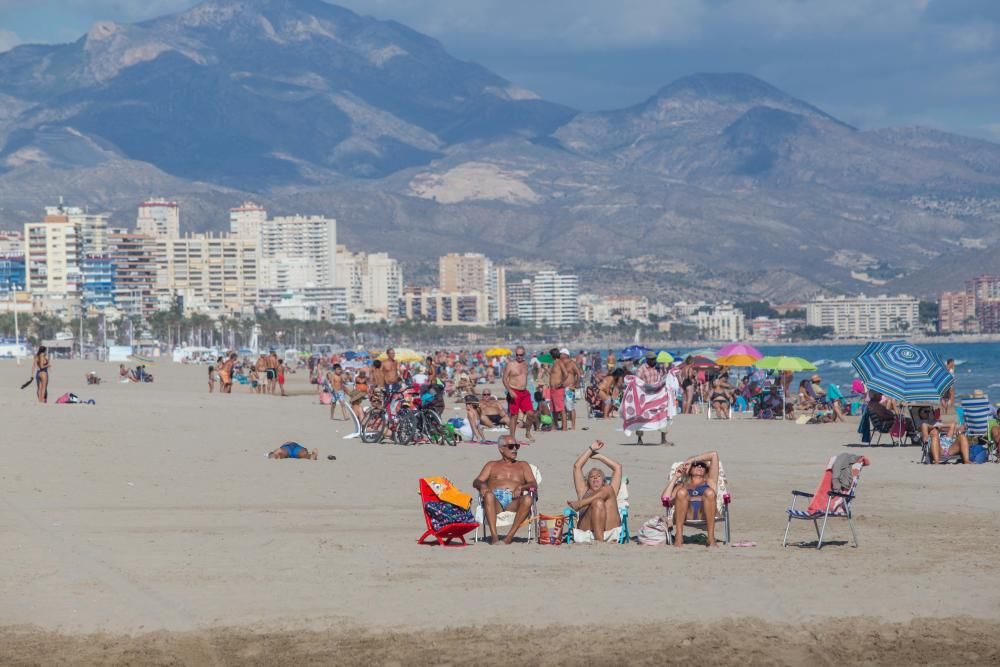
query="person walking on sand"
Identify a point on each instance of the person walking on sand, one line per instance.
(272, 372)
(40, 369)
(515, 381)
(505, 486)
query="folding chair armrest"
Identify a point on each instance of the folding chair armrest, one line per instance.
(726, 498)
(802, 494)
(845, 496)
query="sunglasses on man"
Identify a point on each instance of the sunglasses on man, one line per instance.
(513, 446)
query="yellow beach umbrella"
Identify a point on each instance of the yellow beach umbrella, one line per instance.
(404, 355)
(736, 360)
(498, 352)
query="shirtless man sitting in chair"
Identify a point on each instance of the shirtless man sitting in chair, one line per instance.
(693, 490)
(506, 486)
(596, 500)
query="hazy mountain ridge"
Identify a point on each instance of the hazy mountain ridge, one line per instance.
(309, 107)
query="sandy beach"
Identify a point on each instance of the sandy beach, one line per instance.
(151, 529)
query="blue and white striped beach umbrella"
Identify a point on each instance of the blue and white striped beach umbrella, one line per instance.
(903, 371)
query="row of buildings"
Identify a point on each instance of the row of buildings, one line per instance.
(72, 259)
(976, 309)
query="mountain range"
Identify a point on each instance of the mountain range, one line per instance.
(718, 185)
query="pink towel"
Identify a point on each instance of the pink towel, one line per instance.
(822, 495)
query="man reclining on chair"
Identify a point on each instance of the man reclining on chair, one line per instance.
(505, 486)
(596, 501)
(693, 490)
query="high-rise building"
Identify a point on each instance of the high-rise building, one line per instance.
(957, 313)
(555, 299)
(473, 272)
(723, 322)
(133, 256)
(865, 317)
(210, 274)
(97, 289)
(446, 308)
(518, 300)
(290, 239)
(159, 218)
(55, 247)
(374, 284)
(11, 244)
(246, 221)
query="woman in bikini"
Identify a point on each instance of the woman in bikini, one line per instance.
(40, 368)
(693, 490)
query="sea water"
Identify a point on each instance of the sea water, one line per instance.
(977, 365)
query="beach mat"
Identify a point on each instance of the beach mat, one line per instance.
(492, 443)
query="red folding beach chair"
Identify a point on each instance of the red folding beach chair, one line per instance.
(445, 534)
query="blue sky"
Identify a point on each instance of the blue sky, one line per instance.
(872, 63)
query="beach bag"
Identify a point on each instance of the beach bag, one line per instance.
(325, 398)
(978, 454)
(653, 532)
(898, 429)
(550, 529)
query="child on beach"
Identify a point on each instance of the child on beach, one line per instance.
(336, 379)
(211, 379)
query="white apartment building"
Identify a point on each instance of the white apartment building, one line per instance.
(56, 246)
(865, 317)
(159, 218)
(519, 300)
(246, 221)
(290, 239)
(609, 310)
(11, 244)
(723, 322)
(446, 308)
(374, 284)
(318, 304)
(474, 272)
(214, 275)
(555, 300)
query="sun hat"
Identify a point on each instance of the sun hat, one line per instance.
(978, 393)
(564, 350)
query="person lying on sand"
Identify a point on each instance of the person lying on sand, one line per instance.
(505, 485)
(692, 490)
(597, 501)
(293, 450)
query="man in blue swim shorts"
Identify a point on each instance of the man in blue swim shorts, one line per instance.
(293, 450)
(506, 485)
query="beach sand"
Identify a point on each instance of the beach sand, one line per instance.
(151, 529)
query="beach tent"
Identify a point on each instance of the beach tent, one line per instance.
(634, 352)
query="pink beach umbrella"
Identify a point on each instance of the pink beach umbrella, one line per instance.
(740, 348)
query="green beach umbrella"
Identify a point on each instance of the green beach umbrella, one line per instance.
(783, 363)
(664, 357)
(545, 358)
